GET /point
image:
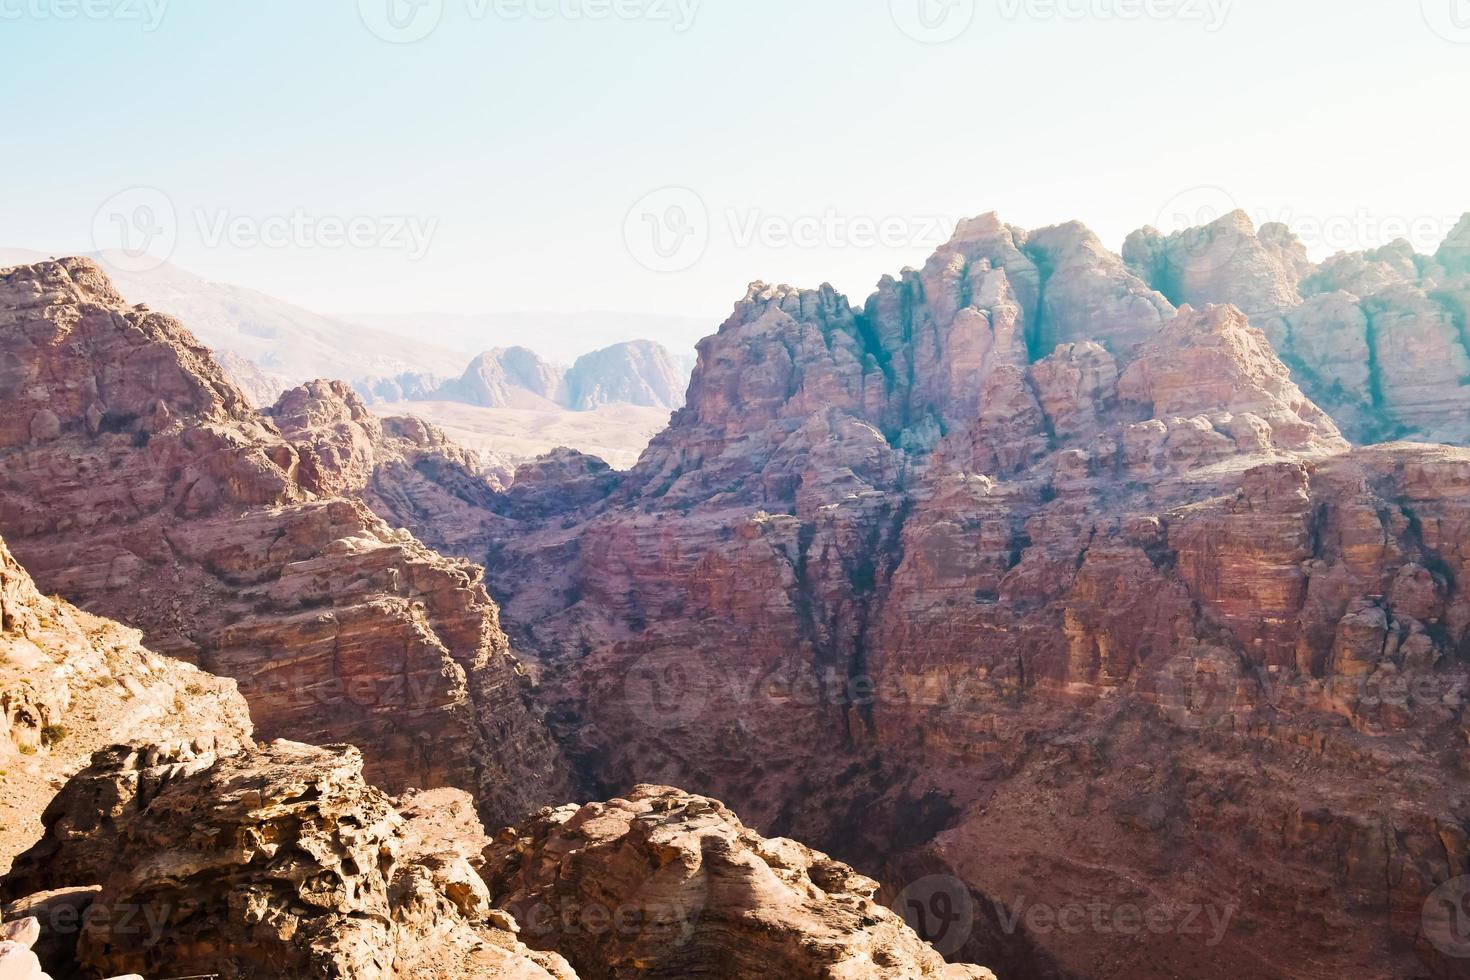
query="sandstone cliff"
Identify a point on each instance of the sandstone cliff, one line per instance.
(137, 481)
(1020, 580)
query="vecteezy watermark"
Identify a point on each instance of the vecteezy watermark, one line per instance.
(407, 233)
(130, 919)
(670, 923)
(1208, 922)
(138, 228)
(408, 21)
(1450, 19)
(665, 692)
(1446, 918)
(933, 21)
(1210, 14)
(668, 230)
(1197, 248)
(832, 229)
(148, 14)
(940, 909)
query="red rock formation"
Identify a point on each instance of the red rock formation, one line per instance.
(1120, 623)
(664, 884)
(138, 482)
(269, 862)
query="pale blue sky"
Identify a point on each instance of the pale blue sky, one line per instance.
(511, 149)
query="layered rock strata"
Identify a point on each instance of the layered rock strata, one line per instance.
(1022, 579)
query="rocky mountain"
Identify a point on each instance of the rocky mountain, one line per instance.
(558, 337)
(137, 481)
(1378, 338)
(1036, 596)
(640, 373)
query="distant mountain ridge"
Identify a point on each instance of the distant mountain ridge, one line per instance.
(640, 373)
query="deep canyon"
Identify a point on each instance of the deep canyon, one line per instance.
(1104, 614)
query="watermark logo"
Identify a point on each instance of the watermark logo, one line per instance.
(668, 230)
(1446, 918)
(147, 13)
(138, 228)
(401, 21)
(940, 909)
(1208, 923)
(1450, 19)
(1211, 14)
(933, 21)
(664, 692)
(407, 233)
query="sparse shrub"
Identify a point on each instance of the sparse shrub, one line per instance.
(54, 735)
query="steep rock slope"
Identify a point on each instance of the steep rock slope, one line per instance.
(72, 683)
(136, 480)
(1378, 338)
(1021, 581)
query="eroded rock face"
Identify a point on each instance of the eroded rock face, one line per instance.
(267, 862)
(136, 480)
(405, 469)
(1377, 338)
(665, 884)
(71, 683)
(896, 581)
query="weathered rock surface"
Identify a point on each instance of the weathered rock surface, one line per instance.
(1377, 338)
(1019, 552)
(136, 480)
(406, 470)
(665, 884)
(71, 683)
(269, 862)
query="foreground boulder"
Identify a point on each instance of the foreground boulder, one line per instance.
(665, 884)
(277, 861)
